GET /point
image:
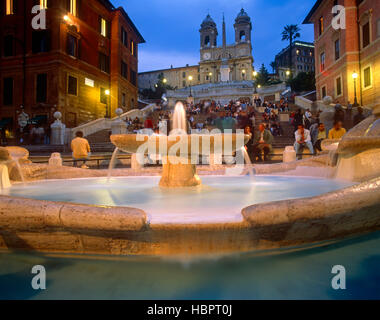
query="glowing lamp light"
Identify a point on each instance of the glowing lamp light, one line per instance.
(259, 86)
(164, 81)
(355, 75)
(190, 78)
(66, 18)
(254, 73)
(210, 74)
(288, 73)
(107, 92)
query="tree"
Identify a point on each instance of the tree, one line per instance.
(304, 81)
(159, 88)
(273, 65)
(263, 76)
(291, 33)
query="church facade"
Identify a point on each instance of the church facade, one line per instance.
(224, 63)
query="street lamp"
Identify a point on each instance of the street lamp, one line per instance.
(287, 73)
(254, 74)
(107, 92)
(355, 76)
(190, 79)
(210, 76)
(164, 81)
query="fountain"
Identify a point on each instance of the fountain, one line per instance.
(179, 151)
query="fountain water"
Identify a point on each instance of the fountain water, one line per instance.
(178, 169)
(112, 163)
(179, 117)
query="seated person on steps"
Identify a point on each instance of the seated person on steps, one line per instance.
(262, 143)
(303, 139)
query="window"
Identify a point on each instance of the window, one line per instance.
(183, 74)
(8, 46)
(73, 7)
(124, 70)
(133, 48)
(366, 34)
(40, 41)
(72, 86)
(8, 92)
(123, 99)
(72, 45)
(41, 88)
(124, 37)
(338, 87)
(337, 49)
(103, 96)
(367, 77)
(183, 83)
(321, 26)
(104, 62)
(9, 7)
(207, 41)
(322, 62)
(103, 27)
(133, 77)
(324, 92)
(43, 4)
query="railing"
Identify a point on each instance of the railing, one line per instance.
(104, 123)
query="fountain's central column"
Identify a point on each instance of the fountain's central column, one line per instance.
(177, 175)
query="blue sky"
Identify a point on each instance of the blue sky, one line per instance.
(171, 27)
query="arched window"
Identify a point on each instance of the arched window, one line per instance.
(207, 41)
(242, 35)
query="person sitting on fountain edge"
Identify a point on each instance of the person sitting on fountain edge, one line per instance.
(81, 149)
(262, 142)
(338, 131)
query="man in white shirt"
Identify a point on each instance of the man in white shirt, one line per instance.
(303, 139)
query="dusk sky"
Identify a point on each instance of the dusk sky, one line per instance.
(171, 27)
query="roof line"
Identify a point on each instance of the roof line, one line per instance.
(312, 11)
(126, 16)
(169, 69)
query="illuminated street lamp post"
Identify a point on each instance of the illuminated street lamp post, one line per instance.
(210, 76)
(355, 76)
(254, 74)
(107, 93)
(190, 79)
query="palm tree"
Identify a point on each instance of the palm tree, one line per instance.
(291, 33)
(273, 65)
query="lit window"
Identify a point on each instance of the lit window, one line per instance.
(9, 7)
(367, 79)
(103, 27)
(132, 48)
(73, 7)
(321, 25)
(323, 58)
(43, 4)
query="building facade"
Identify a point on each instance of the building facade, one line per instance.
(236, 58)
(84, 64)
(303, 60)
(348, 58)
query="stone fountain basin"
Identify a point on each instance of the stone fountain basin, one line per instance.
(131, 143)
(48, 226)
